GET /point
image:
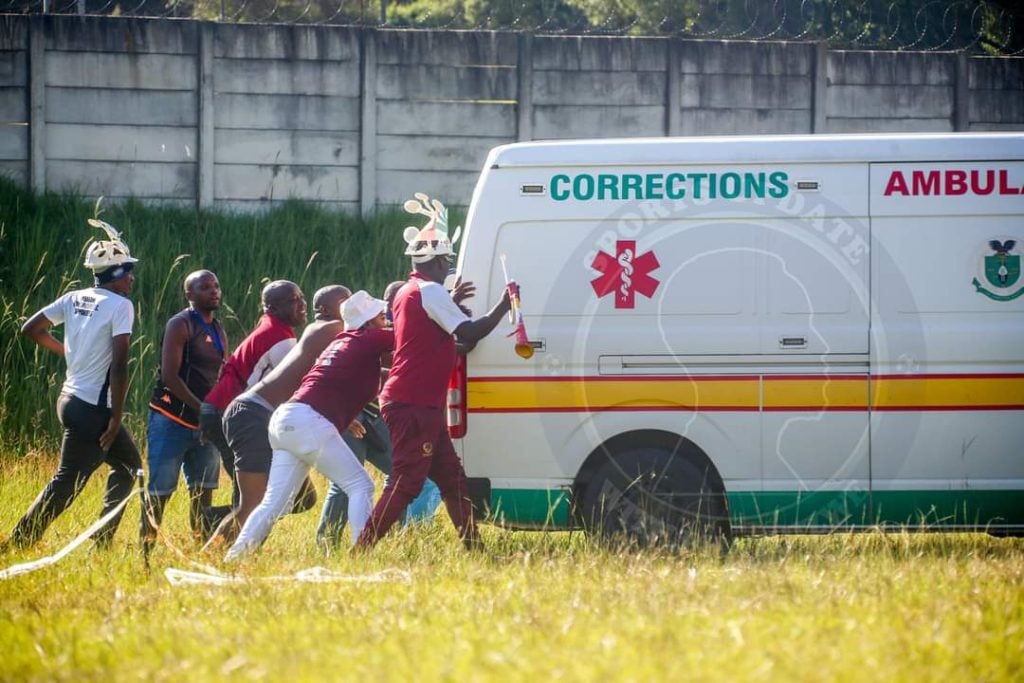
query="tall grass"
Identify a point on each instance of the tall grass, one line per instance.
(42, 243)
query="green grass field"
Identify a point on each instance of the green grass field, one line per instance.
(535, 606)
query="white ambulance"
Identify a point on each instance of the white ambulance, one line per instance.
(746, 335)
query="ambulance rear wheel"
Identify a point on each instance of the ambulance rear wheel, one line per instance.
(648, 497)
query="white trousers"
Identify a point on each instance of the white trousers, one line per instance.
(303, 438)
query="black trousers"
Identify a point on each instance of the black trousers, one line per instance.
(80, 455)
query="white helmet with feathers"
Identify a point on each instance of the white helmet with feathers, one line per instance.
(430, 241)
(103, 254)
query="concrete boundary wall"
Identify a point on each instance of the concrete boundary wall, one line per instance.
(245, 116)
(14, 101)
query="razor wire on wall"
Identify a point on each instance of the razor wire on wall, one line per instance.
(979, 26)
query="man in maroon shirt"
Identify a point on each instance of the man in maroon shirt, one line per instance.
(246, 419)
(306, 430)
(413, 398)
(284, 309)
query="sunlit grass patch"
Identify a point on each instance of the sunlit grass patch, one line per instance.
(897, 606)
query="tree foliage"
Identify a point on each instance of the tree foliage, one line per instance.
(992, 26)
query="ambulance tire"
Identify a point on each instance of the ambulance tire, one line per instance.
(648, 497)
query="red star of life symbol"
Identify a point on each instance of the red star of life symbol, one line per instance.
(625, 274)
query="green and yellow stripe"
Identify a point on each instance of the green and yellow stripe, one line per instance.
(746, 393)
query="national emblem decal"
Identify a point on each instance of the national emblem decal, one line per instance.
(625, 274)
(1001, 272)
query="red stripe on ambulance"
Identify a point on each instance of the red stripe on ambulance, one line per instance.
(951, 182)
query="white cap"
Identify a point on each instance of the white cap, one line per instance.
(103, 254)
(359, 309)
(431, 240)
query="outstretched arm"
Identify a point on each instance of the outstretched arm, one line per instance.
(472, 331)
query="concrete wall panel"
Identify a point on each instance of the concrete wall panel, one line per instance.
(480, 48)
(993, 127)
(118, 179)
(996, 73)
(287, 147)
(400, 82)
(552, 123)
(13, 68)
(451, 187)
(279, 77)
(13, 105)
(745, 92)
(287, 112)
(136, 71)
(13, 142)
(739, 57)
(106, 105)
(265, 182)
(15, 171)
(121, 34)
(313, 43)
(890, 68)
(745, 121)
(258, 206)
(995, 106)
(884, 125)
(448, 153)
(90, 142)
(13, 32)
(579, 53)
(886, 102)
(621, 88)
(446, 118)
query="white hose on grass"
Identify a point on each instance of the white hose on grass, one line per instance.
(27, 567)
(180, 577)
(210, 576)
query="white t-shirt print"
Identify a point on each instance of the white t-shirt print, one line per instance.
(91, 318)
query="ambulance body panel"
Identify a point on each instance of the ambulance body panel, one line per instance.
(822, 318)
(928, 242)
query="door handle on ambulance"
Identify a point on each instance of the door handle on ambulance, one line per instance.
(792, 342)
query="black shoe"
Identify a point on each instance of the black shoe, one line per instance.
(212, 518)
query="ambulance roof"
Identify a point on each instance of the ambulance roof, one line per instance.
(935, 147)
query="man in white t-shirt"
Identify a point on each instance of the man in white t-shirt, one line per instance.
(97, 335)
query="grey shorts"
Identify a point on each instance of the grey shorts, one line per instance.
(245, 427)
